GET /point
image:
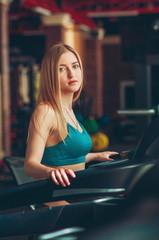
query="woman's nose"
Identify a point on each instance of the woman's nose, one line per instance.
(71, 72)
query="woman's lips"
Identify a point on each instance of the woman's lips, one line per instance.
(73, 82)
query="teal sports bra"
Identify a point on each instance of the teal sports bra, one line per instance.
(72, 151)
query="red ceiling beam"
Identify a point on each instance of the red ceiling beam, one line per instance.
(110, 5)
(51, 5)
(46, 4)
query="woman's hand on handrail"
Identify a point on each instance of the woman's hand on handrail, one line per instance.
(59, 176)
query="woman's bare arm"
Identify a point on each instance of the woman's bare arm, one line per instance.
(35, 149)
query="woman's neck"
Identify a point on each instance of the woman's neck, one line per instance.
(67, 102)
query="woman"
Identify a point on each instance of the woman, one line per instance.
(58, 145)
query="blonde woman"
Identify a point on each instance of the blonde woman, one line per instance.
(58, 145)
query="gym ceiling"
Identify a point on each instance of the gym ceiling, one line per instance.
(91, 13)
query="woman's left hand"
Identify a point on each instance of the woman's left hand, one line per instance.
(105, 156)
(100, 156)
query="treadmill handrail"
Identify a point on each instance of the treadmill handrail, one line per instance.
(137, 112)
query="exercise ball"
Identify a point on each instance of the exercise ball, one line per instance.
(100, 142)
(91, 125)
(104, 120)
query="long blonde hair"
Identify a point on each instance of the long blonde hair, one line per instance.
(50, 89)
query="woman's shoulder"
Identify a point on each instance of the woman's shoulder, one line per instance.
(44, 115)
(44, 110)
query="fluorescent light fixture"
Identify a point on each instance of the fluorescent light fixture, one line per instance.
(42, 11)
(113, 14)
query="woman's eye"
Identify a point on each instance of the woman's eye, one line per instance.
(75, 66)
(61, 69)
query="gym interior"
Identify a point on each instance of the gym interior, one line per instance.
(118, 43)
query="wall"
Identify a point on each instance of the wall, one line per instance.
(115, 70)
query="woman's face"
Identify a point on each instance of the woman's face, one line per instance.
(70, 73)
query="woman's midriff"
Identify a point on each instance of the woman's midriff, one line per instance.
(74, 167)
